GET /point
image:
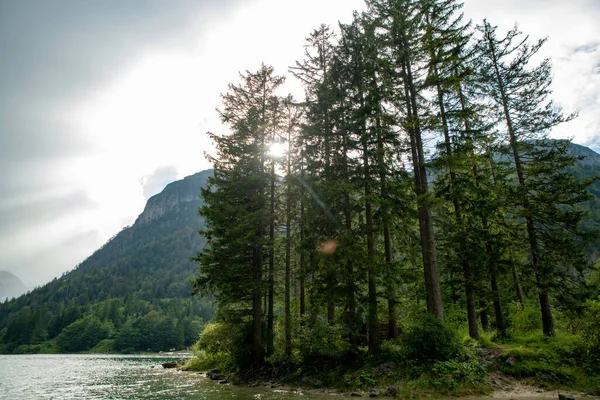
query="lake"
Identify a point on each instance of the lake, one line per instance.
(95, 376)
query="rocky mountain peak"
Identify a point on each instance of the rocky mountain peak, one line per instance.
(173, 196)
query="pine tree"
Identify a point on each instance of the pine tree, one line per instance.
(292, 114)
(403, 27)
(237, 207)
(545, 194)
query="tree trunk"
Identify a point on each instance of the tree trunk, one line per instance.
(288, 250)
(271, 297)
(302, 247)
(499, 315)
(483, 315)
(518, 289)
(464, 263)
(257, 350)
(350, 285)
(428, 251)
(387, 241)
(373, 321)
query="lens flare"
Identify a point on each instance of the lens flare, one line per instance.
(329, 246)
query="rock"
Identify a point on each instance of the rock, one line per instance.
(510, 361)
(219, 377)
(545, 377)
(209, 374)
(391, 391)
(387, 367)
(308, 380)
(224, 381)
(373, 393)
(170, 364)
(565, 397)
(354, 394)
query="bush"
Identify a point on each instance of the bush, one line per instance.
(27, 349)
(524, 319)
(104, 346)
(322, 342)
(591, 334)
(429, 340)
(224, 345)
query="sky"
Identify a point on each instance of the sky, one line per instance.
(103, 103)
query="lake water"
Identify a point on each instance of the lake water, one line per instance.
(112, 377)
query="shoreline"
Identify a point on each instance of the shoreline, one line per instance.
(503, 387)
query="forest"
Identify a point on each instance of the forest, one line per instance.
(418, 215)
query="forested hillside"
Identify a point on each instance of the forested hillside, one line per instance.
(422, 201)
(134, 291)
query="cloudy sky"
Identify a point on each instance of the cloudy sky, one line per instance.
(102, 103)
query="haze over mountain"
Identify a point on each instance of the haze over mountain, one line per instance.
(10, 285)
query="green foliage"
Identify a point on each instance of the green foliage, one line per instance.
(449, 377)
(224, 345)
(553, 362)
(590, 330)
(323, 342)
(104, 346)
(523, 319)
(127, 340)
(485, 340)
(83, 334)
(429, 341)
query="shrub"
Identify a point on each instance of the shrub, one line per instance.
(524, 319)
(429, 340)
(322, 342)
(591, 334)
(224, 345)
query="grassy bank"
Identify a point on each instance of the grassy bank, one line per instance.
(428, 359)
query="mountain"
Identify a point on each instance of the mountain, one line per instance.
(10, 286)
(589, 168)
(134, 290)
(590, 157)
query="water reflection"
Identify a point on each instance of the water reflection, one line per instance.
(111, 377)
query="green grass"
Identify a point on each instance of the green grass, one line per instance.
(104, 346)
(550, 362)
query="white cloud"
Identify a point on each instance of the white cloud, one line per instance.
(569, 26)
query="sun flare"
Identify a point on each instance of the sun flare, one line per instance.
(277, 149)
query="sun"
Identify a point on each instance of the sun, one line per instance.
(277, 149)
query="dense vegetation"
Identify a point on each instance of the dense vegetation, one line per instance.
(130, 295)
(419, 186)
